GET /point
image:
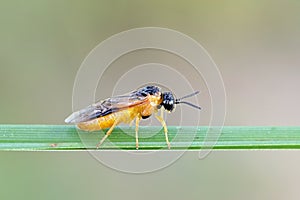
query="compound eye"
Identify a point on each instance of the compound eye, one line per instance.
(170, 107)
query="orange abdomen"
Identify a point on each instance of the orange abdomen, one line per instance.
(124, 116)
(97, 124)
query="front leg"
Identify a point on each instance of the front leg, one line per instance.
(163, 123)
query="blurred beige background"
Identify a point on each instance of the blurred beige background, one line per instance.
(255, 44)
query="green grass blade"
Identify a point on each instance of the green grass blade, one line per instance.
(66, 137)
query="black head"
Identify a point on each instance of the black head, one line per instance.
(168, 101)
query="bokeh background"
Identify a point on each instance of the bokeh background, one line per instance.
(255, 44)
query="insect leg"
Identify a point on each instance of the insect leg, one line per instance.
(163, 123)
(137, 121)
(130, 124)
(108, 133)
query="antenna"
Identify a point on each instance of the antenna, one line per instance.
(178, 101)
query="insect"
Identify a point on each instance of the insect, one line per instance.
(139, 104)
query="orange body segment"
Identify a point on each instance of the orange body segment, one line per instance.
(123, 116)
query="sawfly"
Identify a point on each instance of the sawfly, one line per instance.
(137, 105)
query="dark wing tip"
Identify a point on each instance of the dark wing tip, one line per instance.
(84, 115)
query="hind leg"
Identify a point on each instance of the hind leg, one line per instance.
(107, 133)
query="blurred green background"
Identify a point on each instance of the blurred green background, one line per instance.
(255, 44)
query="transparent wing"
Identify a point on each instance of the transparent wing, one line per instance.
(108, 106)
